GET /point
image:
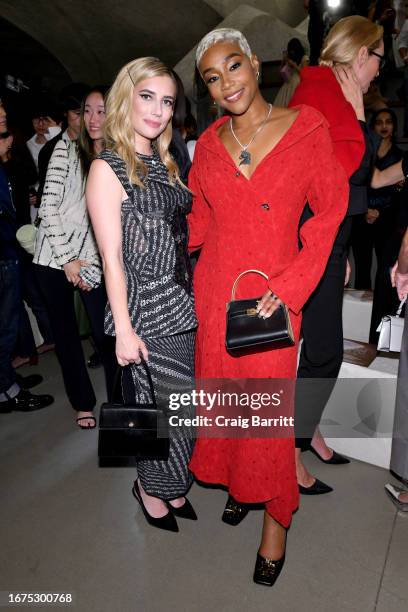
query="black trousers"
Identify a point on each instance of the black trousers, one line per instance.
(385, 299)
(32, 295)
(322, 348)
(59, 298)
(25, 343)
(10, 299)
(364, 238)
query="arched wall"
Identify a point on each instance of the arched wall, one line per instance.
(289, 11)
(92, 39)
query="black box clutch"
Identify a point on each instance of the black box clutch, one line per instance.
(128, 433)
(246, 329)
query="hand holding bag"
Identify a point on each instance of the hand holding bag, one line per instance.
(129, 432)
(246, 329)
(391, 328)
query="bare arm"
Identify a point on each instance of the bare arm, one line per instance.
(390, 176)
(403, 255)
(399, 273)
(104, 195)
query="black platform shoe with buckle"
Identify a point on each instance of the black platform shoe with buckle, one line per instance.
(234, 512)
(267, 570)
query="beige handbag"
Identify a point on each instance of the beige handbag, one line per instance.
(26, 236)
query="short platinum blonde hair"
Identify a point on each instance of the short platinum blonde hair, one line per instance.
(222, 35)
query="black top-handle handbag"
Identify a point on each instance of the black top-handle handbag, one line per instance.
(130, 432)
(246, 329)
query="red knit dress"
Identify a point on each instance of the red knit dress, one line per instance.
(240, 224)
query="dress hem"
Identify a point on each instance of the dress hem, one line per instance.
(285, 522)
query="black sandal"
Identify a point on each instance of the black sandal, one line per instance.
(86, 418)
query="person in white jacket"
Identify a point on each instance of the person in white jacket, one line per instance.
(66, 258)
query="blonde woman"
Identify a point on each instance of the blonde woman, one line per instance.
(351, 58)
(137, 205)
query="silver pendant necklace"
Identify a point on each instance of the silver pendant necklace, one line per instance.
(245, 155)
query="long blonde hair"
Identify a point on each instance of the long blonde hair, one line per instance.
(118, 128)
(346, 37)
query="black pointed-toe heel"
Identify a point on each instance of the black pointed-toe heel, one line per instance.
(185, 511)
(335, 459)
(167, 522)
(267, 570)
(317, 488)
(234, 512)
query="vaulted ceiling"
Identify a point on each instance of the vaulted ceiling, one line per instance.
(89, 40)
(92, 39)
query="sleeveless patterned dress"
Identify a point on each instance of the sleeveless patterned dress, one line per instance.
(161, 307)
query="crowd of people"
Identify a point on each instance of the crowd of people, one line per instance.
(118, 208)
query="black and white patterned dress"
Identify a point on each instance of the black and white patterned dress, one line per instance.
(161, 306)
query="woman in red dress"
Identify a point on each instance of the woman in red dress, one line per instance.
(250, 178)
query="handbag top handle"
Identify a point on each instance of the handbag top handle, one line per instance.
(234, 286)
(400, 306)
(118, 376)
